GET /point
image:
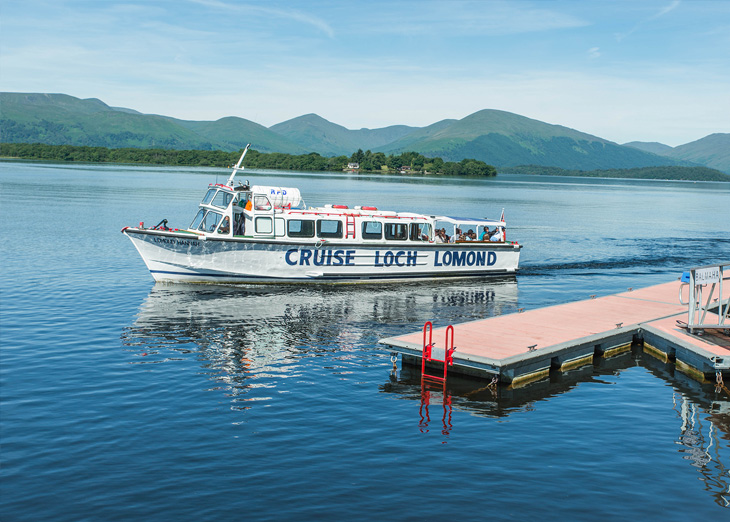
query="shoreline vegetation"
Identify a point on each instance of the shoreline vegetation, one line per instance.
(408, 162)
(366, 162)
(671, 173)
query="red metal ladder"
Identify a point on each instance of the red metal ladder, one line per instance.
(350, 226)
(449, 349)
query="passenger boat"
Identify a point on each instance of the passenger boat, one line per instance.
(264, 234)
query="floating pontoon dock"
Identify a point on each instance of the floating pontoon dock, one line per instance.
(685, 321)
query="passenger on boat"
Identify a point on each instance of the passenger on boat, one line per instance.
(239, 225)
(470, 235)
(458, 236)
(244, 202)
(440, 236)
(485, 234)
(225, 226)
(498, 235)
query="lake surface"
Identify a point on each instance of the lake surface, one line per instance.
(123, 399)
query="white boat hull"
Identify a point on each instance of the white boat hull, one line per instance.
(181, 257)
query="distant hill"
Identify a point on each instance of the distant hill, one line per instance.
(505, 139)
(496, 137)
(59, 119)
(711, 151)
(329, 139)
(649, 146)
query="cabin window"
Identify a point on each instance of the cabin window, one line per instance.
(196, 222)
(243, 199)
(372, 230)
(279, 225)
(210, 221)
(420, 231)
(261, 202)
(209, 196)
(396, 231)
(222, 199)
(264, 225)
(329, 228)
(300, 228)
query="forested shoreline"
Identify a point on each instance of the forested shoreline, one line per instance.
(410, 162)
(673, 173)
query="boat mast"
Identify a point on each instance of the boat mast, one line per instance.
(237, 167)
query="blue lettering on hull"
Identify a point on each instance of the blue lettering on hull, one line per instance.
(399, 258)
(321, 257)
(463, 258)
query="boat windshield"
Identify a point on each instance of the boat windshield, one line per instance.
(208, 197)
(210, 221)
(222, 199)
(198, 218)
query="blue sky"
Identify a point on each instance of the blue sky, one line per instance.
(623, 70)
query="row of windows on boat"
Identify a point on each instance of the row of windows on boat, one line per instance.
(211, 221)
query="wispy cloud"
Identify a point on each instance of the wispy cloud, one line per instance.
(666, 9)
(465, 18)
(594, 52)
(256, 10)
(663, 11)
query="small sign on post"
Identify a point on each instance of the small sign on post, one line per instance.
(708, 275)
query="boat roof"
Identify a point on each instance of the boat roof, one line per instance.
(469, 221)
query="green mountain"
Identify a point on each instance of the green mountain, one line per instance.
(329, 139)
(711, 151)
(505, 139)
(59, 119)
(496, 137)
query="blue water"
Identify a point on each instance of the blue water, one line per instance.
(123, 399)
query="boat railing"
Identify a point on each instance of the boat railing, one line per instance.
(702, 300)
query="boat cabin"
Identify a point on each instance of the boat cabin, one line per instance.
(266, 212)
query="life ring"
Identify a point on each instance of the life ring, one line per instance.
(339, 206)
(369, 208)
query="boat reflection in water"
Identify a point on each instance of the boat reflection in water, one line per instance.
(702, 410)
(250, 336)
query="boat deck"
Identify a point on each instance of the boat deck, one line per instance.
(523, 347)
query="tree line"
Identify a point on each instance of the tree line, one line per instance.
(367, 161)
(677, 173)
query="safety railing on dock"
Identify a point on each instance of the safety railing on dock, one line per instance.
(702, 299)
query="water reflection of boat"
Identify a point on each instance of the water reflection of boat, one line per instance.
(702, 410)
(240, 332)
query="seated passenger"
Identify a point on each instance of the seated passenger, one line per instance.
(469, 234)
(498, 235)
(439, 237)
(225, 227)
(485, 234)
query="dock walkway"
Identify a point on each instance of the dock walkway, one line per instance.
(522, 347)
